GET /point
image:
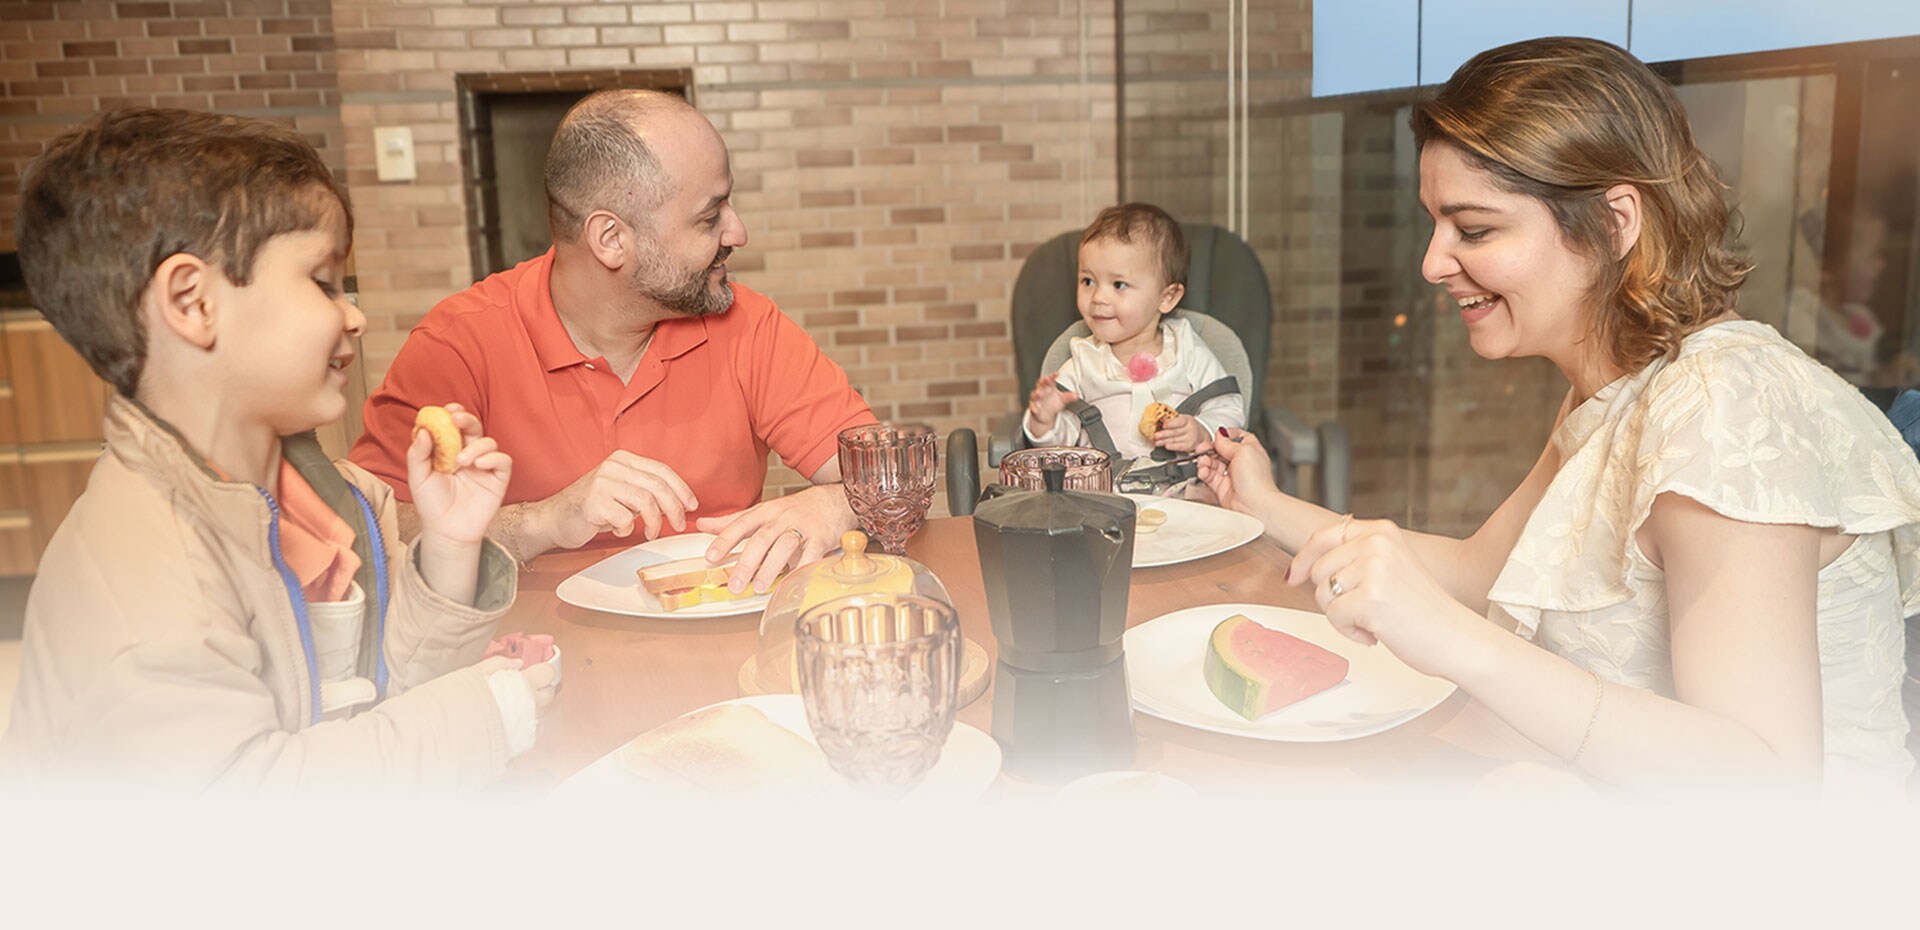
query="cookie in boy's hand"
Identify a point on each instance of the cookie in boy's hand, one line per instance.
(446, 437)
(1155, 419)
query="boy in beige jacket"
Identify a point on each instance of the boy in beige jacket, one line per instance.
(224, 609)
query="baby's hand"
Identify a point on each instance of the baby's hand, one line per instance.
(1046, 402)
(1181, 434)
(457, 505)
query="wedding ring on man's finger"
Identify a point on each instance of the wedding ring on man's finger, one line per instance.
(798, 536)
(1335, 587)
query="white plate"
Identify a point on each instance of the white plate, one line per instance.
(612, 585)
(1192, 531)
(1165, 668)
(969, 762)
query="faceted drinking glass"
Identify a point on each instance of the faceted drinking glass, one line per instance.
(880, 677)
(889, 471)
(1086, 469)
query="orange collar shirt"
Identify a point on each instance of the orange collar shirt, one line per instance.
(711, 396)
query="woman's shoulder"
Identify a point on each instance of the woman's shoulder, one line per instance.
(1746, 370)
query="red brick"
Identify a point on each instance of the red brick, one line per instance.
(265, 81)
(914, 135)
(978, 253)
(919, 294)
(986, 330)
(207, 82)
(918, 215)
(89, 49)
(920, 333)
(60, 69)
(166, 29)
(812, 199)
(288, 27)
(143, 10)
(120, 66)
(829, 158)
(206, 46)
(862, 298)
(826, 240)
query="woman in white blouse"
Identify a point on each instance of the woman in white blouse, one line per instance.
(1715, 552)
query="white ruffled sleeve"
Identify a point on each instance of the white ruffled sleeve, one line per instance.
(1748, 426)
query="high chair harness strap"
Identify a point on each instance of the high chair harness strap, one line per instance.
(1094, 426)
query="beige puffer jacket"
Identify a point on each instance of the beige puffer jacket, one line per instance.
(163, 653)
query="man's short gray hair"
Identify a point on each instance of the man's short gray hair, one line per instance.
(598, 160)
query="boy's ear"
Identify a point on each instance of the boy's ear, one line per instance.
(1170, 298)
(182, 287)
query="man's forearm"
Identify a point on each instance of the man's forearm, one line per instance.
(515, 528)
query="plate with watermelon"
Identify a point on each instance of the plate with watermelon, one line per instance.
(1271, 673)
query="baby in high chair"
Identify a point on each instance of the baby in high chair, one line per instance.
(1142, 360)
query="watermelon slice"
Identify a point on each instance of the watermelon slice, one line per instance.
(1257, 671)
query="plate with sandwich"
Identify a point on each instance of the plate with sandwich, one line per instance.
(1271, 673)
(666, 578)
(1168, 531)
(760, 748)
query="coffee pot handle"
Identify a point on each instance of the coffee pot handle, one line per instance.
(963, 472)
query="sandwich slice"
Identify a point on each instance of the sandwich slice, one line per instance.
(685, 583)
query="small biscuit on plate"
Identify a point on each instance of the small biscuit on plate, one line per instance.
(446, 437)
(1149, 521)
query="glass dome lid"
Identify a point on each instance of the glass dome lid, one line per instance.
(851, 571)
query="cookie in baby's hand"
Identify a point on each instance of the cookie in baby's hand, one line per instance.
(1155, 419)
(446, 437)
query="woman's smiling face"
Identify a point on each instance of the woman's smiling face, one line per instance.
(1521, 289)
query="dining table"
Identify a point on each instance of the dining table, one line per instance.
(623, 675)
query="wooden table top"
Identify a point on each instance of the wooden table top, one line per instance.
(624, 675)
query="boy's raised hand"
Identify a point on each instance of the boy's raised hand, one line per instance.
(455, 507)
(1181, 434)
(1046, 402)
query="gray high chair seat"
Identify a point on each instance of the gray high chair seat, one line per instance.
(1230, 306)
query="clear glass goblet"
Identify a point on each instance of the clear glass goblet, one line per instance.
(880, 676)
(889, 472)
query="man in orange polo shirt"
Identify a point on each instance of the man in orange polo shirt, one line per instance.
(635, 387)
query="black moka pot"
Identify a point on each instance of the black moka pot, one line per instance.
(1056, 565)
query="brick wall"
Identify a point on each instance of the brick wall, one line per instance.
(894, 161)
(61, 62)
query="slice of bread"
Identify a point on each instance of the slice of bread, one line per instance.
(729, 750)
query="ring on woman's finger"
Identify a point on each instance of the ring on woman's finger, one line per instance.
(1335, 587)
(798, 536)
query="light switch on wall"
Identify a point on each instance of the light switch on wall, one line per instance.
(393, 152)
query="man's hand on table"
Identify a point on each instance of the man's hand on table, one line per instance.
(792, 530)
(622, 492)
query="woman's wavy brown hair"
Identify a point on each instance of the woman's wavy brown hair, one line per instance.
(1564, 119)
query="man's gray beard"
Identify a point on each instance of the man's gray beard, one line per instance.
(688, 298)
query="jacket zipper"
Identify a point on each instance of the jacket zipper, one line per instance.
(299, 599)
